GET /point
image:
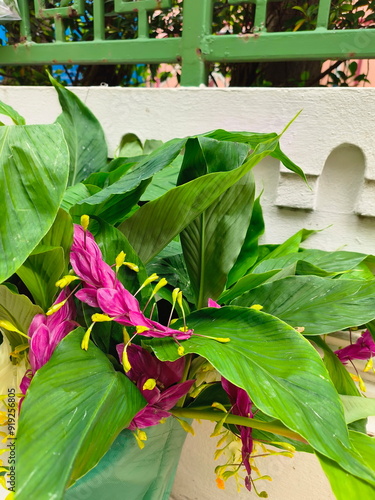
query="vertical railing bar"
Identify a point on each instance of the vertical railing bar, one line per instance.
(25, 20)
(59, 29)
(197, 24)
(260, 15)
(143, 27)
(99, 25)
(323, 14)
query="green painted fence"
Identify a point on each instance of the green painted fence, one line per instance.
(194, 50)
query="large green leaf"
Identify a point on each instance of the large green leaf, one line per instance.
(33, 173)
(211, 243)
(334, 262)
(143, 170)
(44, 266)
(344, 485)
(83, 133)
(278, 368)
(75, 407)
(357, 407)
(40, 272)
(320, 305)
(249, 251)
(155, 224)
(339, 374)
(7, 110)
(19, 311)
(253, 139)
(245, 284)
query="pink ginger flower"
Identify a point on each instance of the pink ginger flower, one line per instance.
(102, 289)
(241, 405)
(363, 348)
(46, 332)
(158, 383)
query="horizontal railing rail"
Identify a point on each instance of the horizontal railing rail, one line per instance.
(194, 49)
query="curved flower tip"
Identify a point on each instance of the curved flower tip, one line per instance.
(212, 303)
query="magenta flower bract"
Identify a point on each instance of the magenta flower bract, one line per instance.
(103, 290)
(241, 405)
(165, 394)
(363, 348)
(46, 332)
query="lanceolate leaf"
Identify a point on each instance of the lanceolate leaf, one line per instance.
(32, 183)
(88, 404)
(84, 135)
(40, 273)
(279, 369)
(249, 250)
(320, 305)
(344, 485)
(212, 242)
(19, 311)
(7, 110)
(357, 407)
(180, 206)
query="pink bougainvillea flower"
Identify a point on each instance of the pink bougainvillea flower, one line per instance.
(363, 348)
(46, 332)
(241, 405)
(158, 383)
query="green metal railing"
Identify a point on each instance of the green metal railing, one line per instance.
(194, 50)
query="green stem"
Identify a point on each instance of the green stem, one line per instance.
(188, 359)
(215, 416)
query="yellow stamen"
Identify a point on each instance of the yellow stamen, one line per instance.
(125, 361)
(140, 329)
(11, 328)
(100, 318)
(140, 437)
(175, 294)
(150, 279)
(85, 221)
(120, 259)
(126, 336)
(186, 426)
(66, 280)
(180, 350)
(173, 321)
(369, 365)
(132, 266)
(56, 307)
(149, 385)
(86, 338)
(183, 329)
(256, 307)
(362, 385)
(159, 285)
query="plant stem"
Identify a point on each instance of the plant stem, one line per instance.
(215, 416)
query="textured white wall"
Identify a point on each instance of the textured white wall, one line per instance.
(332, 140)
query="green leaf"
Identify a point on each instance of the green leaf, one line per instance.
(130, 145)
(83, 133)
(320, 305)
(7, 110)
(88, 403)
(249, 250)
(19, 311)
(32, 184)
(40, 273)
(292, 383)
(339, 374)
(344, 485)
(357, 407)
(142, 171)
(163, 181)
(180, 206)
(75, 194)
(211, 243)
(245, 284)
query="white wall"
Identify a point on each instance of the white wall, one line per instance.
(332, 140)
